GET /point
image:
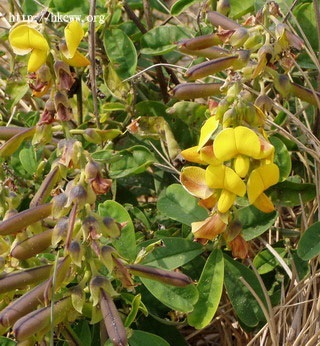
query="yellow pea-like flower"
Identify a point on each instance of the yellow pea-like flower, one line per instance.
(25, 39)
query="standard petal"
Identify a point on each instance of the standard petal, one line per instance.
(192, 155)
(78, 60)
(207, 131)
(226, 201)
(37, 59)
(224, 146)
(247, 141)
(73, 34)
(193, 180)
(24, 38)
(233, 183)
(261, 179)
(264, 203)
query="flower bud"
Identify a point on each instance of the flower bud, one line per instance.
(112, 228)
(71, 152)
(60, 231)
(41, 81)
(106, 256)
(234, 229)
(92, 136)
(59, 205)
(223, 7)
(98, 282)
(239, 36)
(47, 116)
(283, 85)
(239, 247)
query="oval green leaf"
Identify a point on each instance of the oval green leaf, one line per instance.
(126, 243)
(176, 298)
(309, 244)
(121, 52)
(181, 5)
(243, 302)
(162, 39)
(210, 289)
(265, 261)
(282, 158)
(255, 222)
(141, 338)
(176, 203)
(175, 253)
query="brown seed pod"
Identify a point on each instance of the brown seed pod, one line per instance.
(193, 90)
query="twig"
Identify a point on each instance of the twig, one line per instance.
(92, 55)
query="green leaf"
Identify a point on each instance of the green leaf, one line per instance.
(265, 261)
(135, 305)
(309, 244)
(290, 194)
(181, 5)
(255, 222)
(282, 158)
(133, 160)
(243, 302)
(176, 298)
(28, 160)
(175, 202)
(141, 338)
(305, 15)
(162, 39)
(175, 253)
(16, 90)
(121, 52)
(126, 244)
(210, 289)
(240, 8)
(7, 342)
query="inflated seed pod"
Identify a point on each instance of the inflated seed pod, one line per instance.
(161, 275)
(40, 319)
(23, 305)
(13, 144)
(113, 323)
(21, 279)
(33, 245)
(6, 132)
(210, 53)
(46, 187)
(207, 68)
(199, 42)
(218, 19)
(25, 218)
(193, 90)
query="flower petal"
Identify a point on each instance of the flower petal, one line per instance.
(241, 165)
(193, 180)
(78, 60)
(222, 177)
(207, 155)
(73, 34)
(261, 179)
(37, 59)
(264, 203)
(226, 201)
(247, 141)
(207, 131)
(224, 145)
(23, 39)
(209, 228)
(192, 155)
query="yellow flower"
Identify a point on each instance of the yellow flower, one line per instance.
(73, 34)
(25, 39)
(259, 180)
(226, 179)
(241, 143)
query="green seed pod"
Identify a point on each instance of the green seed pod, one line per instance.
(92, 136)
(113, 323)
(25, 218)
(192, 90)
(161, 275)
(20, 279)
(33, 245)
